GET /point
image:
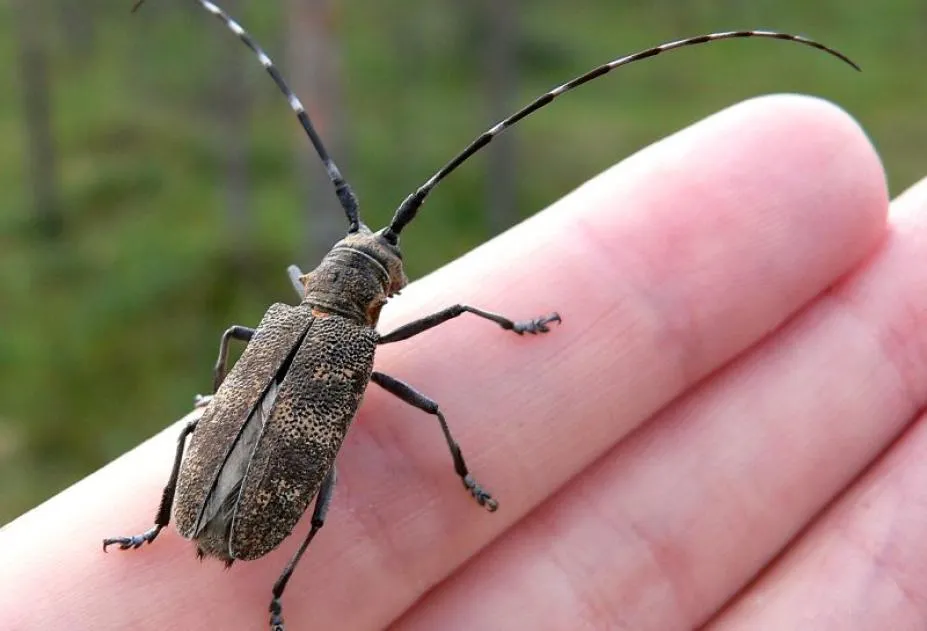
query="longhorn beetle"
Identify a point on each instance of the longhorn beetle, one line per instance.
(267, 441)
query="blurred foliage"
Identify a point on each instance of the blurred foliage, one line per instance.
(107, 331)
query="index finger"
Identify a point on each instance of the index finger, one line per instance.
(664, 268)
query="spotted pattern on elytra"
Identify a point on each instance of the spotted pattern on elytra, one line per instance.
(317, 401)
(276, 336)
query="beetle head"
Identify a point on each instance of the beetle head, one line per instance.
(357, 276)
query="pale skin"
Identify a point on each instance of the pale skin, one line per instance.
(723, 432)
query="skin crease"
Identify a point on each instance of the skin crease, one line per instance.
(744, 335)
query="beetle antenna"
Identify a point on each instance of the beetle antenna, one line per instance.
(409, 207)
(342, 189)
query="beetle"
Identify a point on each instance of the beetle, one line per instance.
(267, 440)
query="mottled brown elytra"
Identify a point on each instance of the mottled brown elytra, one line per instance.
(268, 438)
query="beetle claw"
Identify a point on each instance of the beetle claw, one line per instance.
(481, 495)
(276, 619)
(537, 325)
(134, 542)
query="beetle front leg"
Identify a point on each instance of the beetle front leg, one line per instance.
(296, 275)
(322, 501)
(408, 394)
(163, 518)
(534, 326)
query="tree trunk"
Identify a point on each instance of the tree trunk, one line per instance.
(234, 103)
(33, 39)
(77, 21)
(502, 89)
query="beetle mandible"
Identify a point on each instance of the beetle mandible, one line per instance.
(267, 441)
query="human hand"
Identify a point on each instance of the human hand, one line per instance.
(742, 337)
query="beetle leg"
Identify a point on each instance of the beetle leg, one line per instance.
(295, 274)
(163, 518)
(534, 326)
(244, 334)
(237, 332)
(408, 394)
(322, 501)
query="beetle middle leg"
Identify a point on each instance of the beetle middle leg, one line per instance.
(411, 396)
(163, 518)
(322, 501)
(236, 332)
(243, 334)
(534, 326)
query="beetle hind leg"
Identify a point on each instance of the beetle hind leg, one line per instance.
(419, 400)
(163, 518)
(322, 501)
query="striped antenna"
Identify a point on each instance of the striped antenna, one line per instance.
(409, 207)
(342, 189)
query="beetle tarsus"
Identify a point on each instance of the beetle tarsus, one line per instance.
(481, 495)
(135, 542)
(537, 325)
(276, 619)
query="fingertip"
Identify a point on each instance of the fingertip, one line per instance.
(814, 134)
(794, 143)
(912, 203)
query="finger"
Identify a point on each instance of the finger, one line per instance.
(663, 269)
(863, 565)
(680, 516)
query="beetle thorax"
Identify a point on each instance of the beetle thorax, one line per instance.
(356, 277)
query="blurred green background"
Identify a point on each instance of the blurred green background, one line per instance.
(156, 185)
